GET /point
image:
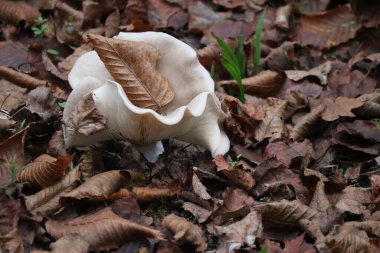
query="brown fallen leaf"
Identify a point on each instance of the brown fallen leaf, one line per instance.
(298, 245)
(51, 68)
(199, 188)
(68, 23)
(200, 213)
(285, 213)
(185, 232)
(262, 84)
(321, 72)
(367, 12)
(46, 201)
(12, 156)
(163, 14)
(320, 200)
(66, 65)
(371, 107)
(93, 11)
(102, 229)
(235, 235)
(86, 118)
(327, 29)
(42, 102)
(10, 239)
(341, 107)
(11, 96)
(306, 123)
(237, 176)
(354, 200)
(230, 4)
(45, 170)
(73, 243)
(147, 194)
(112, 23)
(14, 54)
(348, 239)
(272, 126)
(100, 186)
(15, 12)
(141, 81)
(21, 79)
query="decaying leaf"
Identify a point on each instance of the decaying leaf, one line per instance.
(298, 245)
(306, 123)
(320, 72)
(199, 188)
(185, 232)
(45, 170)
(320, 200)
(235, 235)
(262, 84)
(14, 54)
(46, 201)
(348, 239)
(354, 200)
(146, 194)
(141, 81)
(285, 213)
(86, 118)
(66, 65)
(100, 186)
(327, 29)
(15, 12)
(112, 23)
(68, 22)
(21, 79)
(367, 12)
(199, 212)
(102, 229)
(12, 156)
(11, 96)
(341, 107)
(73, 243)
(272, 126)
(238, 176)
(42, 102)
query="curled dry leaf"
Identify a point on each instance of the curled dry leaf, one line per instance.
(285, 213)
(200, 213)
(42, 102)
(11, 96)
(262, 84)
(320, 200)
(21, 79)
(12, 155)
(348, 239)
(321, 72)
(100, 186)
(45, 170)
(272, 126)
(306, 123)
(185, 232)
(86, 118)
(327, 29)
(46, 201)
(354, 200)
(102, 229)
(233, 236)
(341, 107)
(238, 176)
(51, 68)
(143, 84)
(15, 12)
(371, 107)
(146, 194)
(68, 23)
(199, 188)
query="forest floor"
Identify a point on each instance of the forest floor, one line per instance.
(302, 173)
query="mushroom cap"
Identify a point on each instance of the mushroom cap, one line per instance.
(194, 116)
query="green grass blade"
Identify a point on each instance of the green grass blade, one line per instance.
(239, 52)
(257, 54)
(212, 71)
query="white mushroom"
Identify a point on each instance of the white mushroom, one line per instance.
(194, 116)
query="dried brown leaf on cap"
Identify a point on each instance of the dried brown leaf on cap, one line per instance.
(143, 84)
(86, 118)
(45, 170)
(185, 232)
(102, 229)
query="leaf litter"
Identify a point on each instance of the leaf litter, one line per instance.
(302, 174)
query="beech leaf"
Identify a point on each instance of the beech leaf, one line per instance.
(341, 107)
(133, 65)
(102, 229)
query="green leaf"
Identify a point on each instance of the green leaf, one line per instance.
(52, 51)
(62, 104)
(239, 52)
(212, 71)
(257, 54)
